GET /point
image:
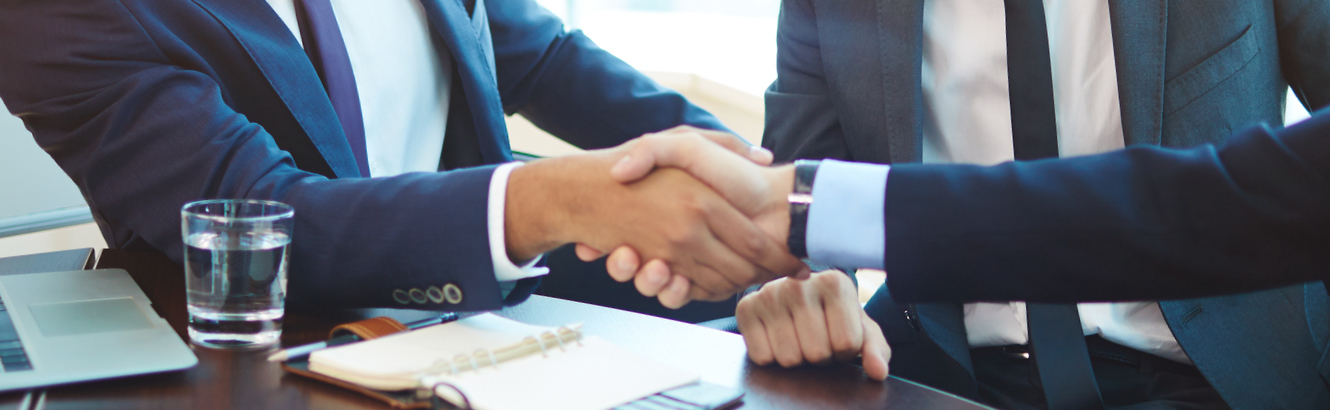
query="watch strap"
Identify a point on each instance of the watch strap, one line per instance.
(801, 199)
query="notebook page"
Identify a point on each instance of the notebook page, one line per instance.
(400, 356)
(595, 375)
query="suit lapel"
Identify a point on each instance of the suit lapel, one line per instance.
(473, 50)
(284, 65)
(900, 39)
(899, 115)
(1138, 48)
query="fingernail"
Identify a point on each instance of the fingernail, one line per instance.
(623, 162)
(656, 278)
(624, 266)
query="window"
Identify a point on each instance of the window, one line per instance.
(729, 41)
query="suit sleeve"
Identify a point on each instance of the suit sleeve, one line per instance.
(563, 83)
(1304, 49)
(801, 121)
(1137, 224)
(107, 93)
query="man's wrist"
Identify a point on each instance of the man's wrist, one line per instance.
(530, 227)
(505, 268)
(775, 215)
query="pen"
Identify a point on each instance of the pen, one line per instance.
(305, 350)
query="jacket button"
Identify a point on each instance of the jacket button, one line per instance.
(912, 318)
(418, 296)
(435, 295)
(401, 297)
(452, 293)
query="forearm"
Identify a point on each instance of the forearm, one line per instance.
(1143, 223)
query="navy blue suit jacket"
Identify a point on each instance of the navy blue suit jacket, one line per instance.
(149, 104)
(1144, 223)
(1189, 72)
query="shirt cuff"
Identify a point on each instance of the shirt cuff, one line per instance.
(504, 269)
(845, 221)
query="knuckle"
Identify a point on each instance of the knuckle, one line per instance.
(678, 235)
(699, 205)
(753, 243)
(845, 343)
(792, 295)
(819, 354)
(762, 299)
(761, 360)
(789, 359)
(743, 313)
(829, 280)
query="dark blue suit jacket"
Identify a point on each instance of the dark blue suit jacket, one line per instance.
(1189, 72)
(149, 104)
(1143, 223)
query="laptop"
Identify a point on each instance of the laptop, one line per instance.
(65, 327)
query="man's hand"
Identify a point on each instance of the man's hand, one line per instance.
(793, 322)
(668, 217)
(725, 163)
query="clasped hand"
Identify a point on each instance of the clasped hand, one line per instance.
(710, 219)
(708, 240)
(735, 171)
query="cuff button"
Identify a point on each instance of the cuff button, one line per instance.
(401, 297)
(452, 293)
(435, 295)
(418, 296)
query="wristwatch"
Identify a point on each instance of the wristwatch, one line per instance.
(800, 199)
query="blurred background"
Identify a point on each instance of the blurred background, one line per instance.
(721, 54)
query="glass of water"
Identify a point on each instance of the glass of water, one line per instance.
(235, 271)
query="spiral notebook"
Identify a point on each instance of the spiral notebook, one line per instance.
(501, 364)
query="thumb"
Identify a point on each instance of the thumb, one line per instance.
(587, 253)
(659, 150)
(876, 351)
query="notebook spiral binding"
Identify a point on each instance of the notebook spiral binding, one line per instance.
(486, 357)
(463, 362)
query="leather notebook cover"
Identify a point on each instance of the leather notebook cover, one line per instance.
(367, 329)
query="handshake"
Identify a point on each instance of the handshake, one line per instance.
(686, 213)
(692, 214)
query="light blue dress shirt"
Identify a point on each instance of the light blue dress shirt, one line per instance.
(845, 222)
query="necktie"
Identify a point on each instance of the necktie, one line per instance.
(326, 49)
(1056, 342)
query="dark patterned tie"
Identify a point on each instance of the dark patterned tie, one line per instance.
(326, 49)
(1057, 344)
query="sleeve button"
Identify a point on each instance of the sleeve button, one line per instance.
(452, 293)
(418, 296)
(401, 297)
(435, 295)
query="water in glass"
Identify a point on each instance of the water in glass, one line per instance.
(236, 283)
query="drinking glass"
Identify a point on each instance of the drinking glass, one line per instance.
(235, 271)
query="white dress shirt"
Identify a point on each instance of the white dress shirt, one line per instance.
(968, 120)
(404, 80)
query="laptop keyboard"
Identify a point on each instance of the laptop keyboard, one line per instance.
(12, 355)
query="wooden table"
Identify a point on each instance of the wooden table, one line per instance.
(245, 380)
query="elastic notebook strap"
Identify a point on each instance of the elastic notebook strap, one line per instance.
(371, 328)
